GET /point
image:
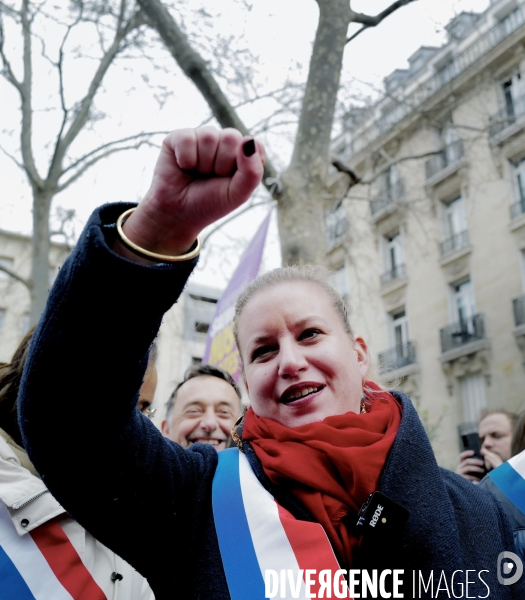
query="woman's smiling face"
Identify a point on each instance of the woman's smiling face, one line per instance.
(300, 364)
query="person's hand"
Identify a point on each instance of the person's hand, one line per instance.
(468, 466)
(492, 460)
(201, 175)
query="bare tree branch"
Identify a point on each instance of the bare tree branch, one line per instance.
(401, 159)
(371, 21)
(60, 67)
(340, 166)
(82, 116)
(7, 70)
(231, 218)
(354, 179)
(43, 51)
(354, 35)
(95, 160)
(9, 10)
(27, 104)
(116, 25)
(196, 69)
(14, 275)
(256, 97)
(37, 11)
(18, 164)
(104, 146)
(64, 217)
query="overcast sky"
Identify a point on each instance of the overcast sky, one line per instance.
(280, 34)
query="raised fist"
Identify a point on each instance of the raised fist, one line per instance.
(201, 175)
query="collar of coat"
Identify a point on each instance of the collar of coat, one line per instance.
(24, 494)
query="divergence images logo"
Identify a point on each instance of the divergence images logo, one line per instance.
(510, 568)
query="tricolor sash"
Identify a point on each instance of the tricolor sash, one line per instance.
(509, 478)
(256, 534)
(42, 565)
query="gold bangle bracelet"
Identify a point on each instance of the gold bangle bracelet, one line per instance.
(153, 255)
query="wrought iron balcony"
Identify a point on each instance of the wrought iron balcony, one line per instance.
(463, 332)
(517, 209)
(388, 197)
(336, 232)
(518, 304)
(512, 113)
(396, 358)
(459, 64)
(452, 154)
(336, 226)
(454, 242)
(396, 272)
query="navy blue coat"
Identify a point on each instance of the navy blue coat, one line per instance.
(147, 498)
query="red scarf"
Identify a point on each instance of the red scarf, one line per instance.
(332, 466)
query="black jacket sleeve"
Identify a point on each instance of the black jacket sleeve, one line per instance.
(105, 462)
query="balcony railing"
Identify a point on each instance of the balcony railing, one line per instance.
(452, 154)
(396, 272)
(388, 197)
(518, 304)
(460, 63)
(512, 113)
(336, 226)
(396, 358)
(463, 332)
(335, 232)
(517, 209)
(454, 242)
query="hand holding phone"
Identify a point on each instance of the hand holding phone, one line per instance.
(471, 461)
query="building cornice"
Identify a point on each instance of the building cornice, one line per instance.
(483, 51)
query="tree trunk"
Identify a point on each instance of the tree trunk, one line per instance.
(300, 216)
(301, 203)
(40, 246)
(301, 206)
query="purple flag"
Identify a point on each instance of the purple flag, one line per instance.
(221, 350)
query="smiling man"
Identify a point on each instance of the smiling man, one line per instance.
(203, 408)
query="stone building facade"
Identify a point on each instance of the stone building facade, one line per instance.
(15, 254)
(182, 339)
(430, 247)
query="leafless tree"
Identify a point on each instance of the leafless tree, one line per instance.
(301, 187)
(40, 37)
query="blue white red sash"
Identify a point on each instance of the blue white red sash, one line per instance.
(256, 534)
(42, 565)
(510, 479)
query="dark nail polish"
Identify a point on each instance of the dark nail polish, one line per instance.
(249, 147)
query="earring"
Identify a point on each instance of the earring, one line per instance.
(363, 402)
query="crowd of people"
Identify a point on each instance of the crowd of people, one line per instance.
(326, 470)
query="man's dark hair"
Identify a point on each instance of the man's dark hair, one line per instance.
(200, 371)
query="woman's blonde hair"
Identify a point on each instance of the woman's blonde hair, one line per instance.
(310, 274)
